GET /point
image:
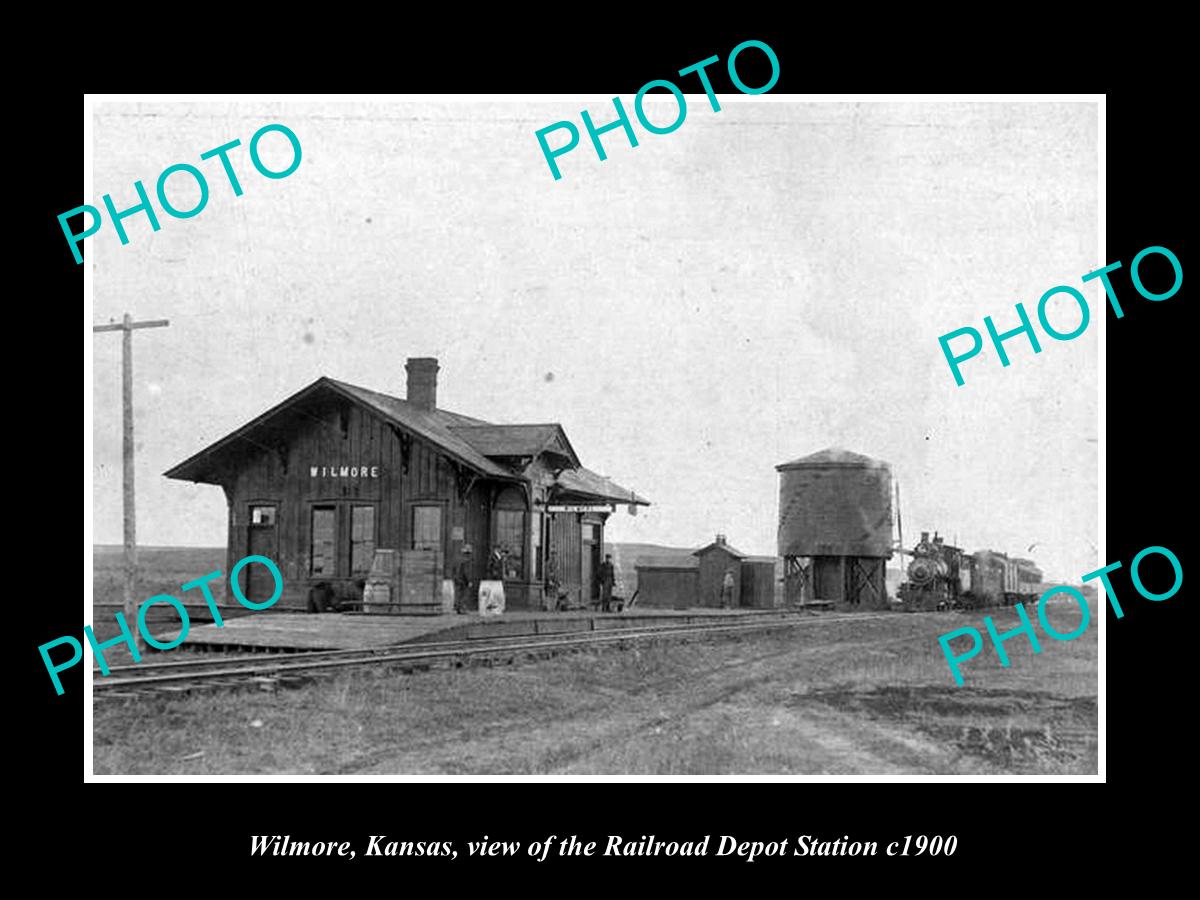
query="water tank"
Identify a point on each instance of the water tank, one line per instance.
(835, 503)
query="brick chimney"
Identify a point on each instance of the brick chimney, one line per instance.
(720, 541)
(422, 381)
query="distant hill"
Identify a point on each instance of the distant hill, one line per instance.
(647, 552)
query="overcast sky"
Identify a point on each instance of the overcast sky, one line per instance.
(764, 282)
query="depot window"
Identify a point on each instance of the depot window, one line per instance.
(427, 527)
(324, 540)
(362, 538)
(509, 537)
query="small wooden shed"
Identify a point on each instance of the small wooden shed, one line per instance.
(665, 586)
(698, 579)
(759, 577)
(717, 559)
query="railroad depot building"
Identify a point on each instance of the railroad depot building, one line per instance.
(335, 472)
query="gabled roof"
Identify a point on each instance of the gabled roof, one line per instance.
(832, 456)
(465, 439)
(518, 440)
(435, 426)
(732, 551)
(585, 484)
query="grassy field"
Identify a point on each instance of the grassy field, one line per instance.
(869, 696)
(161, 570)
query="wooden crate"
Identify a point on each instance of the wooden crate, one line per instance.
(420, 582)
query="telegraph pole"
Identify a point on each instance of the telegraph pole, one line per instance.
(127, 327)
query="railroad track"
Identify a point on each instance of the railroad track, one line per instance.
(189, 675)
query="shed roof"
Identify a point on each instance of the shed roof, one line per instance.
(667, 562)
(717, 545)
(832, 456)
(585, 483)
(517, 440)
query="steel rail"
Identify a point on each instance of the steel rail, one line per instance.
(257, 667)
(271, 659)
(298, 653)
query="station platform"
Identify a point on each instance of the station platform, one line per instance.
(340, 631)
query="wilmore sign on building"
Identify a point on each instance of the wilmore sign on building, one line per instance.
(343, 471)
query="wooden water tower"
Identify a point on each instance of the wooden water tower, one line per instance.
(835, 529)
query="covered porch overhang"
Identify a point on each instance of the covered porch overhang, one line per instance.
(581, 490)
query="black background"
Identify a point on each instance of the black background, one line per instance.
(1000, 827)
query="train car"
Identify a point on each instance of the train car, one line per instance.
(938, 576)
(1000, 580)
(1028, 575)
(943, 577)
(990, 578)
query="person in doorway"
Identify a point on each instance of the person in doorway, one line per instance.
(606, 576)
(495, 564)
(462, 581)
(552, 587)
(727, 586)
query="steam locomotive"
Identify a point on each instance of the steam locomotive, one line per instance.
(944, 577)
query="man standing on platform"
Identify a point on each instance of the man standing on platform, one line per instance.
(727, 586)
(462, 582)
(606, 577)
(553, 587)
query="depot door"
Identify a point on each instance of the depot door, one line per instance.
(590, 562)
(257, 583)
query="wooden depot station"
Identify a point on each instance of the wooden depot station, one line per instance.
(335, 473)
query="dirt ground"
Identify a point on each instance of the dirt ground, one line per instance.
(866, 696)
